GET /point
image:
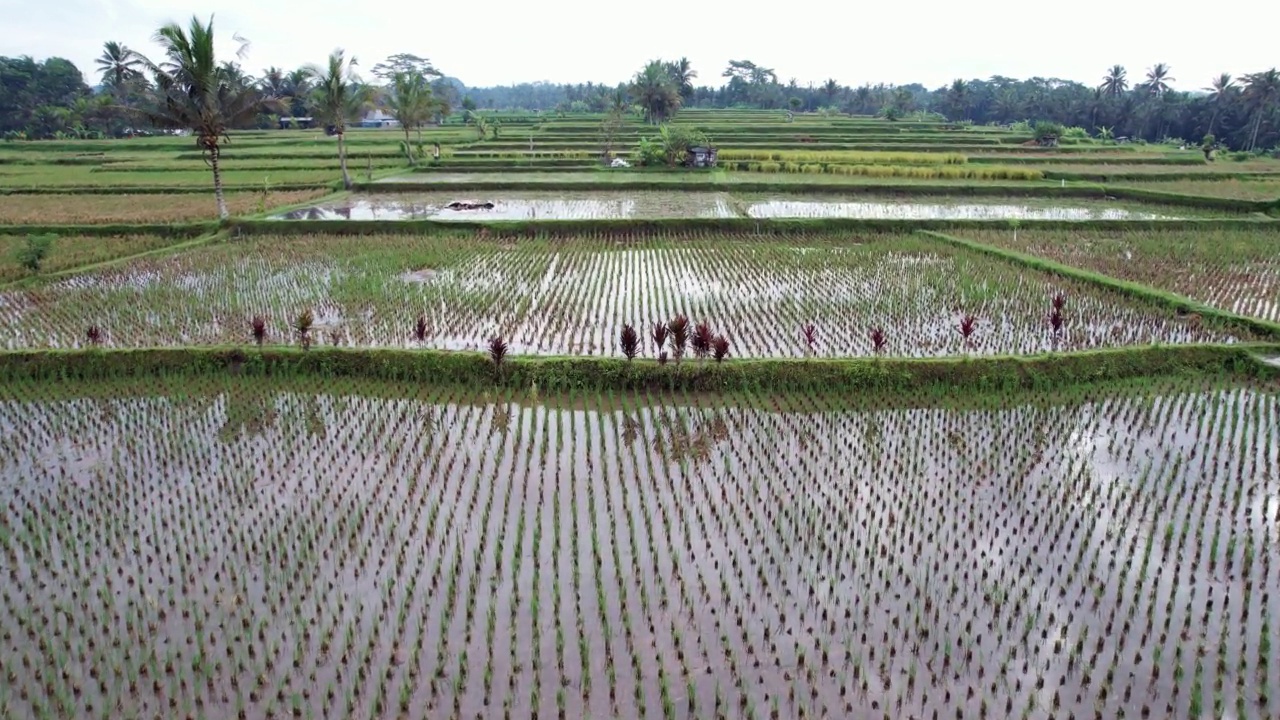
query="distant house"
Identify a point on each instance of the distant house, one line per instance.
(700, 157)
(296, 123)
(378, 119)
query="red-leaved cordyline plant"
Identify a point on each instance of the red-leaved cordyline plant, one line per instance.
(497, 350)
(659, 335)
(878, 339)
(1056, 320)
(420, 328)
(810, 333)
(94, 333)
(1059, 302)
(630, 342)
(662, 358)
(701, 340)
(303, 326)
(968, 325)
(720, 347)
(679, 330)
(259, 327)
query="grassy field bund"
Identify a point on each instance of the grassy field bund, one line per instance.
(876, 419)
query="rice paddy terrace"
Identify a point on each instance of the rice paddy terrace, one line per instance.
(877, 419)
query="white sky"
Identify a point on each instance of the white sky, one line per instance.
(506, 41)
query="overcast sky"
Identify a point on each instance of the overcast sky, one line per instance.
(504, 41)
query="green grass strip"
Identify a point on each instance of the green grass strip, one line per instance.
(558, 373)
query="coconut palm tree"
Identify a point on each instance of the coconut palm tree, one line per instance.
(410, 103)
(682, 74)
(1262, 96)
(1158, 79)
(1220, 92)
(958, 99)
(118, 63)
(194, 93)
(273, 82)
(339, 96)
(1115, 82)
(654, 91)
(297, 87)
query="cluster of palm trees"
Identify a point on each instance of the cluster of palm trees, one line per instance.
(660, 88)
(196, 93)
(1256, 96)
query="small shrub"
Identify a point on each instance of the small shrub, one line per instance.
(303, 326)
(678, 329)
(878, 339)
(630, 342)
(810, 333)
(659, 335)
(701, 340)
(497, 351)
(32, 253)
(94, 333)
(720, 347)
(968, 326)
(420, 328)
(259, 328)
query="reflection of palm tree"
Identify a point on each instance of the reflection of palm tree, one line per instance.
(501, 412)
(630, 430)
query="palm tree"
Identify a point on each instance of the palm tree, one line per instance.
(339, 97)
(957, 98)
(1158, 79)
(682, 74)
(410, 103)
(653, 89)
(1220, 93)
(1115, 82)
(297, 87)
(273, 82)
(195, 93)
(1262, 95)
(118, 63)
(830, 89)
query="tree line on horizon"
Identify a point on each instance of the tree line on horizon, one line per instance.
(52, 98)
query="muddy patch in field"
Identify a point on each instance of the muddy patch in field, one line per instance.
(422, 276)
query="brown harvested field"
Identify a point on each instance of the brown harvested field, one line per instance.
(353, 550)
(73, 251)
(1244, 189)
(60, 209)
(1237, 270)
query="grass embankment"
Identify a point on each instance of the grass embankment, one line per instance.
(556, 373)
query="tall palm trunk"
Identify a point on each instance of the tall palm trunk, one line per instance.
(1257, 125)
(408, 147)
(342, 161)
(217, 186)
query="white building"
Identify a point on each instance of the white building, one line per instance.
(378, 119)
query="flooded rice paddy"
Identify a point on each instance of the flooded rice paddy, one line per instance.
(358, 550)
(555, 205)
(572, 297)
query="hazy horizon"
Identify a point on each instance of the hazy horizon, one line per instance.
(561, 41)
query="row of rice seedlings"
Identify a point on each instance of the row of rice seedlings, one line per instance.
(1233, 270)
(554, 297)
(193, 553)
